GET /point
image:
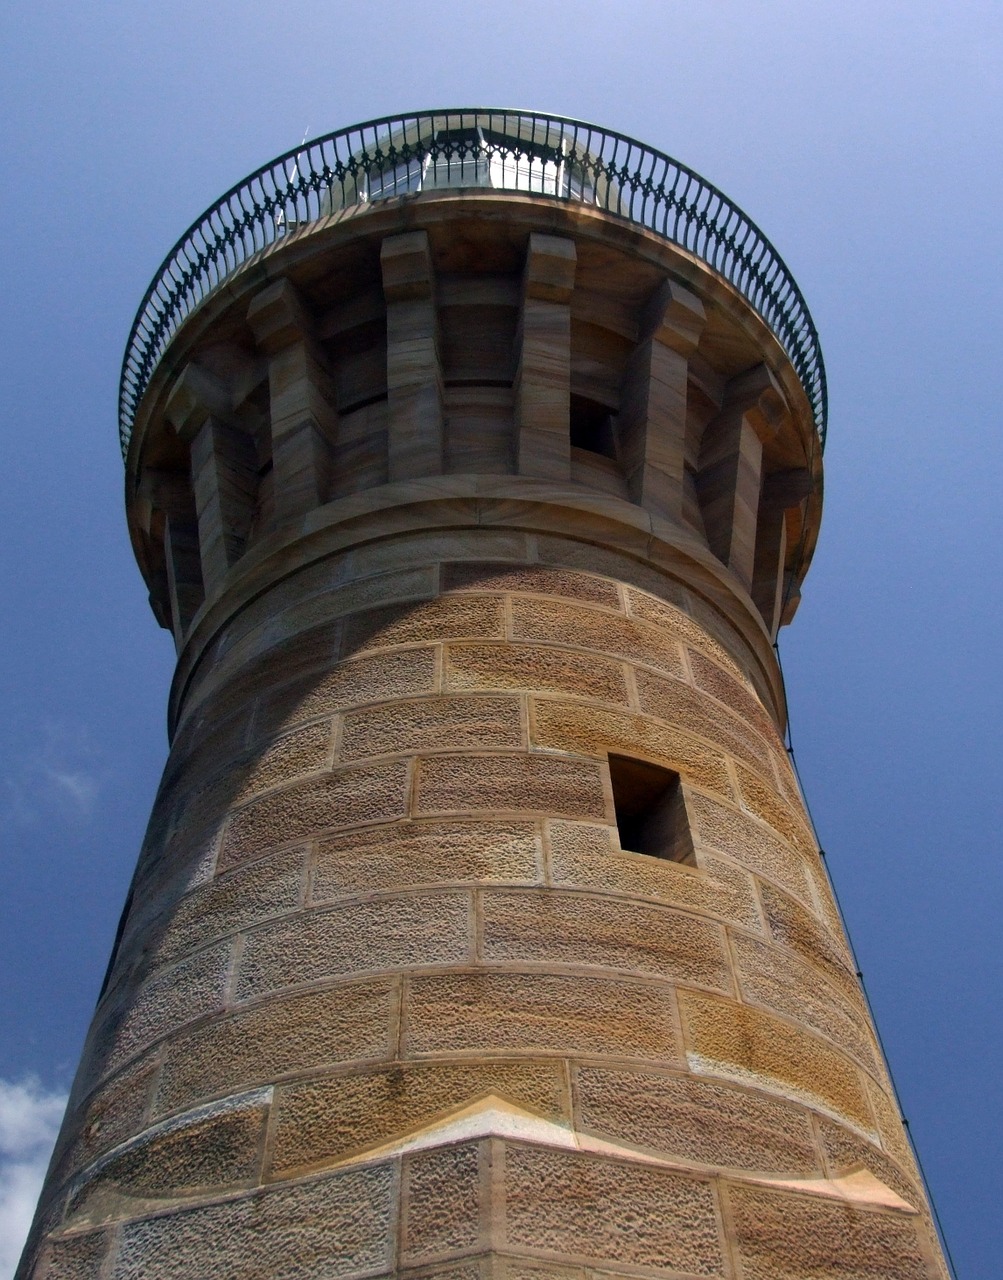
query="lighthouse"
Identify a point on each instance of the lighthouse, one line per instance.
(473, 462)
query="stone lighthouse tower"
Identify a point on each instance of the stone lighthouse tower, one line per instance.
(473, 460)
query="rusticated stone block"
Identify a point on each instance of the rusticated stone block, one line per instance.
(441, 1202)
(165, 1002)
(843, 1150)
(598, 1210)
(398, 674)
(74, 1257)
(333, 1226)
(537, 668)
(680, 704)
(457, 617)
(781, 1236)
(117, 1110)
(544, 926)
(559, 725)
(770, 976)
(342, 799)
(531, 580)
(890, 1128)
(792, 925)
(572, 554)
(509, 783)
(421, 724)
(277, 1037)
(725, 1038)
(583, 857)
(426, 852)
(233, 902)
(686, 1117)
(679, 622)
(539, 1011)
(217, 1147)
(285, 759)
(749, 843)
(592, 629)
(331, 1116)
(763, 800)
(711, 677)
(356, 937)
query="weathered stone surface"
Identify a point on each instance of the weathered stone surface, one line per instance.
(341, 799)
(388, 934)
(426, 852)
(538, 1011)
(724, 1038)
(786, 1237)
(684, 1116)
(336, 1226)
(331, 1116)
(510, 783)
(587, 931)
(422, 724)
(278, 1037)
(596, 631)
(535, 668)
(597, 1210)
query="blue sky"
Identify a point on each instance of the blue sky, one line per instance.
(864, 139)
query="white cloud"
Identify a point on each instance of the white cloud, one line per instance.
(60, 776)
(29, 1122)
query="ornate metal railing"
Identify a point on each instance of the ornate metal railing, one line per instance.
(507, 150)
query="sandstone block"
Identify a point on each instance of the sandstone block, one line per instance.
(330, 1116)
(559, 725)
(494, 1012)
(510, 783)
(427, 852)
(535, 668)
(605, 1210)
(693, 1119)
(588, 931)
(534, 580)
(447, 618)
(233, 902)
(679, 704)
(397, 674)
(786, 1237)
(770, 976)
(441, 1202)
(724, 1038)
(583, 856)
(596, 631)
(749, 843)
(344, 798)
(421, 724)
(278, 1037)
(387, 934)
(334, 1226)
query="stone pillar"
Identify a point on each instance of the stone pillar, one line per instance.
(543, 374)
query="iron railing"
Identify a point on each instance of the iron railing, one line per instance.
(508, 150)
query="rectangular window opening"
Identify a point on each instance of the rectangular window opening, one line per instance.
(650, 810)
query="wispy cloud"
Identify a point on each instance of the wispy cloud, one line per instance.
(60, 776)
(29, 1121)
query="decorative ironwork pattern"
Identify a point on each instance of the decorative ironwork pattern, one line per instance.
(476, 147)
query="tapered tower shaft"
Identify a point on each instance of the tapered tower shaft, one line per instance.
(479, 929)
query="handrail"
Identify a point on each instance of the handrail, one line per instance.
(514, 150)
